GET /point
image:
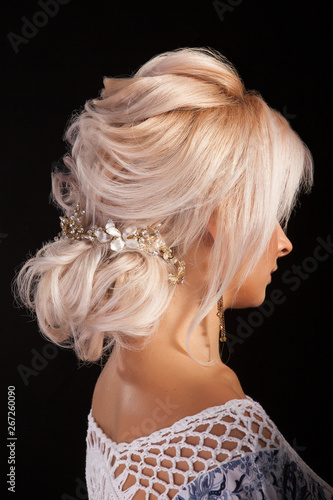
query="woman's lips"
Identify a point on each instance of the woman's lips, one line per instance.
(273, 271)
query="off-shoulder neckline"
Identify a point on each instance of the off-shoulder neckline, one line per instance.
(175, 427)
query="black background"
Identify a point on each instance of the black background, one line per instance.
(281, 49)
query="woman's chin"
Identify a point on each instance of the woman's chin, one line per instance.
(259, 302)
(247, 303)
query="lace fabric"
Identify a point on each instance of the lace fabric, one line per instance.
(268, 475)
(162, 464)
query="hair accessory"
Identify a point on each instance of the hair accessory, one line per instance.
(220, 314)
(147, 239)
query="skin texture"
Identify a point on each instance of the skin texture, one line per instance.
(133, 383)
(253, 291)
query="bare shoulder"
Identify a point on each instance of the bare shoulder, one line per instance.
(128, 408)
(217, 389)
(234, 382)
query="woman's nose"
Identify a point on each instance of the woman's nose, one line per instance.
(284, 244)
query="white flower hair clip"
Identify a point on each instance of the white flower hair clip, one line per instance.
(147, 239)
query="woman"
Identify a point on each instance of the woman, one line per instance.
(177, 184)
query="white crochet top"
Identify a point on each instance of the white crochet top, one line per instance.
(218, 447)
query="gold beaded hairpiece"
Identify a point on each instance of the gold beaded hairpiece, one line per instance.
(147, 239)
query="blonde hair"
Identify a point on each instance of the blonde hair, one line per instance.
(179, 140)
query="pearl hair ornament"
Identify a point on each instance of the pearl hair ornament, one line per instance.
(147, 239)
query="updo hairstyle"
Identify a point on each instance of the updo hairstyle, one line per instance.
(179, 140)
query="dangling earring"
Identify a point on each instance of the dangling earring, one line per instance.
(222, 330)
(220, 314)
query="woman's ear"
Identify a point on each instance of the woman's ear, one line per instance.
(211, 226)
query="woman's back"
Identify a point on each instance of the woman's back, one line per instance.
(231, 450)
(134, 408)
(133, 398)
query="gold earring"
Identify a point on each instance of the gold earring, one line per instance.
(220, 314)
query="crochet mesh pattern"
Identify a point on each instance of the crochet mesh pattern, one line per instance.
(161, 464)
